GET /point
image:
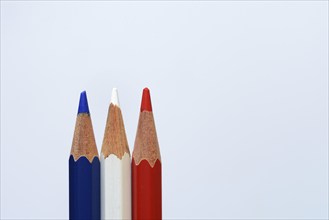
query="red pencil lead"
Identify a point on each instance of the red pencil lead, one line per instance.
(146, 101)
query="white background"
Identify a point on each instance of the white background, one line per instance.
(239, 92)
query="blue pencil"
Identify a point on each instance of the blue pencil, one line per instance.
(84, 168)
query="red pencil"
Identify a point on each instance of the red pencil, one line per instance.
(146, 166)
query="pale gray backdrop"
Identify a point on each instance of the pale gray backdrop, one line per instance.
(240, 98)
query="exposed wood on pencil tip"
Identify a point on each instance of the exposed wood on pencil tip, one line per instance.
(83, 144)
(115, 140)
(146, 142)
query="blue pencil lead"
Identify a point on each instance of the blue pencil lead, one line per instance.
(83, 104)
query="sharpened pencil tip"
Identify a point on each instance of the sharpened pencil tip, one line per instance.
(115, 97)
(146, 104)
(83, 104)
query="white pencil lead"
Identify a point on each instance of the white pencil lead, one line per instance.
(115, 98)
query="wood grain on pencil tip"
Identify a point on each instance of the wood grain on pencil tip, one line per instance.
(115, 140)
(146, 143)
(84, 143)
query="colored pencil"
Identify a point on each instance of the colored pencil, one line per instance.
(115, 166)
(146, 166)
(84, 168)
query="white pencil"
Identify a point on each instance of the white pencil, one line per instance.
(115, 166)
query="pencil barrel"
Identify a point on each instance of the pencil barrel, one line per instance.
(84, 187)
(146, 190)
(116, 187)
